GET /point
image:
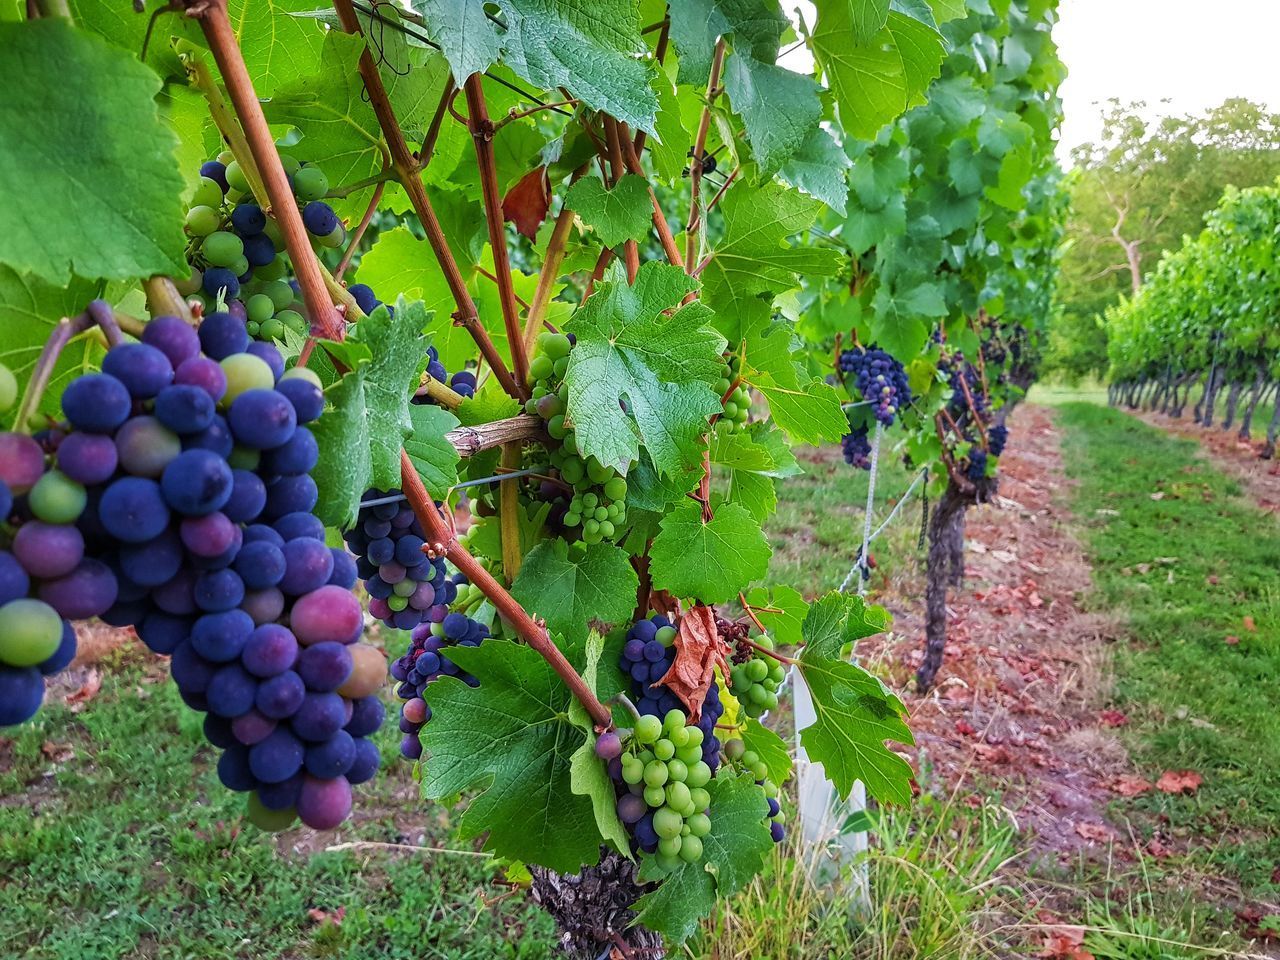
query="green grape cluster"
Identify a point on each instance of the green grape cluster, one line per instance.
(755, 681)
(663, 764)
(736, 752)
(597, 506)
(737, 409)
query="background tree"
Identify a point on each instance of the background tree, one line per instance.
(1135, 193)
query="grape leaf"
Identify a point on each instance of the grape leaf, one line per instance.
(817, 168)
(867, 17)
(753, 261)
(696, 25)
(770, 747)
(432, 454)
(361, 435)
(463, 30)
(622, 212)
(733, 852)
(709, 561)
(512, 740)
(752, 461)
(29, 310)
(804, 406)
(661, 365)
(588, 774)
(589, 47)
(780, 109)
(900, 321)
(855, 712)
(572, 589)
(64, 136)
(784, 626)
(669, 150)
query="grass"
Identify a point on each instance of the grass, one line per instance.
(1193, 568)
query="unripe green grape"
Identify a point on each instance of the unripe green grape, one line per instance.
(259, 307)
(245, 372)
(8, 388)
(235, 178)
(655, 773)
(572, 519)
(598, 472)
(679, 737)
(570, 441)
(648, 729)
(56, 498)
(730, 409)
(222, 249)
(271, 329)
(689, 754)
(699, 774)
(632, 771)
(616, 488)
(780, 816)
(240, 267)
(589, 500)
(646, 756)
(273, 231)
(560, 367)
(541, 366)
(750, 757)
(666, 636)
(555, 346)
(664, 749)
(667, 863)
(279, 292)
(190, 285)
(691, 849)
(607, 529)
(540, 390)
(207, 194)
(290, 164)
(756, 694)
(699, 797)
(776, 672)
(667, 823)
(405, 587)
(655, 796)
(252, 327)
(556, 427)
(669, 846)
(695, 736)
(699, 825)
(244, 458)
(735, 749)
(677, 770)
(615, 510)
(771, 701)
(770, 788)
(310, 183)
(742, 415)
(335, 238)
(202, 221)
(723, 426)
(591, 527)
(272, 271)
(226, 156)
(30, 632)
(397, 603)
(756, 670)
(294, 321)
(722, 386)
(758, 770)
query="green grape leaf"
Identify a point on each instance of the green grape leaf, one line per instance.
(490, 403)
(803, 405)
(709, 561)
(696, 25)
(433, 456)
(361, 434)
(669, 149)
(754, 262)
(588, 774)
(621, 212)
(780, 109)
(899, 325)
(817, 168)
(485, 537)
(463, 30)
(662, 365)
(752, 461)
(573, 590)
(770, 747)
(512, 739)
(856, 714)
(30, 308)
(944, 10)
(785, 627)
(732, 853)
(867, 17)
(88, 169)
(589, 47)
(649, 490)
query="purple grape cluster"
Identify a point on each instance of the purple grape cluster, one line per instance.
(997, 437)
(856, 448)
(426, 660)
(196, 460)
(405, 586)
(41, 575)
(977, 468)
(959, 377)
(880, 380)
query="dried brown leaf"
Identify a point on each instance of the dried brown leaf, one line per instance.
(699, 650)
(1179, 781)
(527, 202)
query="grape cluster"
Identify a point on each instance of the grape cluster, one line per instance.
(196, 463)
(405, 586)
(960, 376)
(737, 408)
(856, 448)
(997, 437)
(977, 468)
(426, 660)
(737, 753)
(591, 497)
(879, 378)
(755, 681)
(40, 572)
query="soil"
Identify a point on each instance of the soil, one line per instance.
(1019, 705)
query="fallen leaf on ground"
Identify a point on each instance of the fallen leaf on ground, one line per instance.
(1065, 943)
(1131, 786)
(1230, 639)
(324, 916)
(1157, 496)
(57, 752)
(88, 690)
(1249, 624)
(1113, 718)
(1099, 832)
(965, 727)
(1157, 849)
(1179, 781)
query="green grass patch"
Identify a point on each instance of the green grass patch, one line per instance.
(1194, 569)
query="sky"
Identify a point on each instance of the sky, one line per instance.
(1192, 53)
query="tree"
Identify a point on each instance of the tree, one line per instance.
(1134, 195)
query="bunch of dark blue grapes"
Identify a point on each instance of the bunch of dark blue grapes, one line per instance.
(961, 376)
(880, 379)
(977, 468)
(426, 660)
(997, 437)
(856, 448)
(405, 586)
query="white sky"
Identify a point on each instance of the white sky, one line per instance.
(1192, 53)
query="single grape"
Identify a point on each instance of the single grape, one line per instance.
(56, 498)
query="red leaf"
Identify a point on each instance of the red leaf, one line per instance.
(88, 690)
(1131, 786)
(698, 650)
(1157, 849)
(526, 203)
(1113, 718)
(1065, 943)
(1230, 639)
(324, 916)
(1099, 832)
(965, 727)
(1179, 781)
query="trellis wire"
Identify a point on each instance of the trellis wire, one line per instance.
(496, 478)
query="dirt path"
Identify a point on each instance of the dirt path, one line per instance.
(1239, 458)
(1017, 706)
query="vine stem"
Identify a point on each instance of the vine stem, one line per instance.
(212, 15)
(482, 130)
(789, 661)
(534, 634)
(617, 169)
(358, 234)
(64, 331)
(163, 298)
(669, 245)
(694, 228)
(556, 248)
(408, 174)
